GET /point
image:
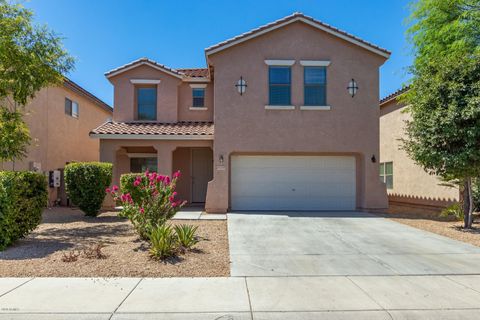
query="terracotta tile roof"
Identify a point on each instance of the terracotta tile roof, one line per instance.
(76, 88)
(142, 61)
(155, 128)
(180, 73)
(194, 73)
(291, 18)
(394, 95)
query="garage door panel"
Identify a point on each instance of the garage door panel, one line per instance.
(293, 183)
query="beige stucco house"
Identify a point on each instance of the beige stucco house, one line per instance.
(269, 124)
(60, 119)
(407, 183)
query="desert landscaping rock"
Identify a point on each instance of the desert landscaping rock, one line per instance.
(66, 230)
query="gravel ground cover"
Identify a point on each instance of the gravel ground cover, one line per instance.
(66, 234)
(430, 220)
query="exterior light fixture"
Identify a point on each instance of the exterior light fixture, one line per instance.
(220, 159)
(374, 159)
(241, 85)
(352, 87)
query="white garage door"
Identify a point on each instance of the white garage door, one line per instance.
(292, 183)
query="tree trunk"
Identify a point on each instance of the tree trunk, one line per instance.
(467, 204)
(470, 203)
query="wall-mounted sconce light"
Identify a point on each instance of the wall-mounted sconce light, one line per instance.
(352, 87)
(241, 85)
(374, 159)
(220, 159)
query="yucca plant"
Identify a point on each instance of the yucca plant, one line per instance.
(186, 235)
(164, 242)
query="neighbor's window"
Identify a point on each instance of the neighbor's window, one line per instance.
(386, 174)
(279, 80)
(315, 84)
(147, 103)
(71, 108)
(198, 97)
(138, 165)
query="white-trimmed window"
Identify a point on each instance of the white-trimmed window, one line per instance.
(386, 174)
(71, 108)
(279, 85)
(198, 97)
(146, 102)
(315, 86)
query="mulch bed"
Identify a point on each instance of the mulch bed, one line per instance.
(66, 234)
(430, 220)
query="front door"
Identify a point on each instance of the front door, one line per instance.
(202, 173)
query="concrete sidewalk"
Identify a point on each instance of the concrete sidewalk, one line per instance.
(320, 297)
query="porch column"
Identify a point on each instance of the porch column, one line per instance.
(164, 158)
(108, 152)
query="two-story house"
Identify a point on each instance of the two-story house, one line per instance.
(285, 117)
(408, 184)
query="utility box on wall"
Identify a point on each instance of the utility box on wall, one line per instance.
(54, 179)
(35, 166)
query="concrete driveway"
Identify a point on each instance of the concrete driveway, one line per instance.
(341, 244)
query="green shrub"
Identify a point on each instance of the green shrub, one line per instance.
(126, 185)
(163, 241)
(186, 235)
(23, 196)
(455, 210)
(86, 183)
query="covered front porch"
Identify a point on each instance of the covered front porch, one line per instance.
(194, 159)
(134, 147)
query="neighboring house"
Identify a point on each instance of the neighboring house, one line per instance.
(407, 183)
(60, 119)
(268, 125)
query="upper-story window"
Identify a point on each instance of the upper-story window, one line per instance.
(279, 80)
(315, 85)
(71, 108)
(198, 97)
(146, 103)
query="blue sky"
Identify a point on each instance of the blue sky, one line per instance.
(104, 34)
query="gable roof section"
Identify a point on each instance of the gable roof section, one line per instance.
(393, 96)
(143, 61)
(184, 74)
(69, 84)
(291, 19)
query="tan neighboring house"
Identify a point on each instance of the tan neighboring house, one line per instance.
(284, 117)
(60, 119)
(407, 183)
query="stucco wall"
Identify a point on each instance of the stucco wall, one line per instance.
(174, 97)
(411, 184)
(185, 101)
(58, 138)
(243, 125)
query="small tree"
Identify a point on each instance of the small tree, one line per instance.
(31, 58)
(444, 98)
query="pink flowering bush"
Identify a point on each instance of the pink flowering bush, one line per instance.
(149, 201)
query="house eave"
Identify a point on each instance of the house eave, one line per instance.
(150, 136)
(216, 48)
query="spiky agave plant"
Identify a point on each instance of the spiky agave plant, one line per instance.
(186, 235)
(163, 241)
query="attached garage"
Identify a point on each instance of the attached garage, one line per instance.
(293, 182)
